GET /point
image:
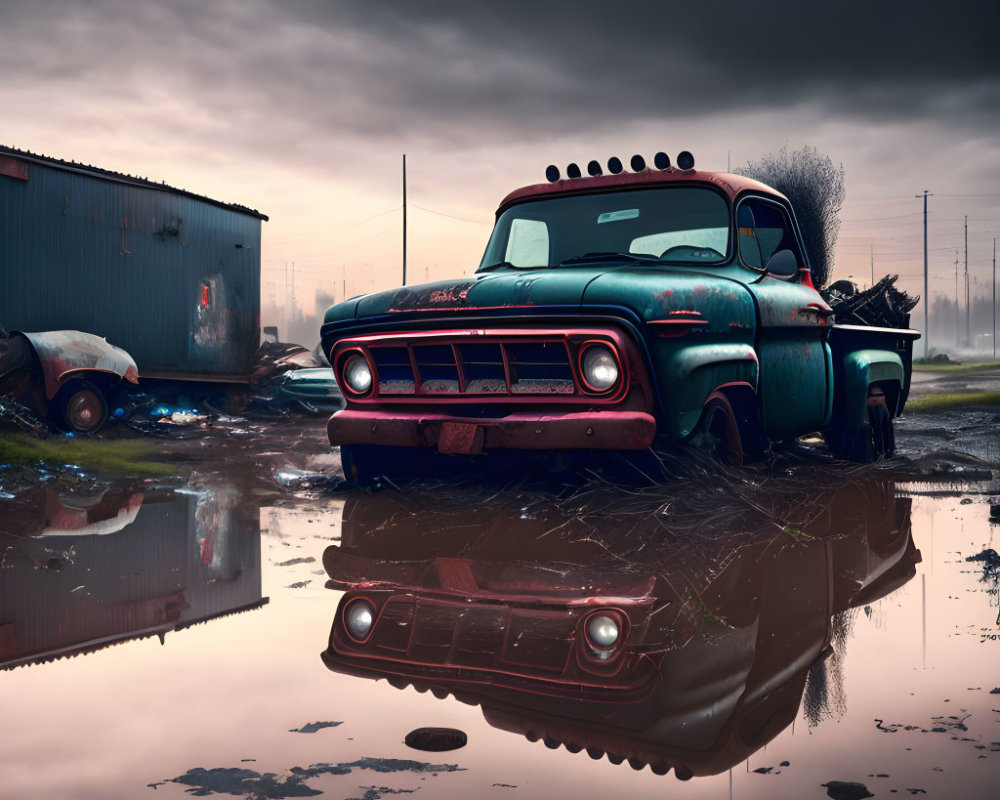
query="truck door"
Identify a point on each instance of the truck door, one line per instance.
(795, 366)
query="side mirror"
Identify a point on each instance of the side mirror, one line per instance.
(783, 263)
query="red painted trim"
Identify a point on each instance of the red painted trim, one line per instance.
(608, 429)
(459, 368)
(730, 185)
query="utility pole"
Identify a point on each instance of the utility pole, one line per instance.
(926, 297)
(994, 298)
(404, 219)
(968, 312)
(958, 336)
(873, 261)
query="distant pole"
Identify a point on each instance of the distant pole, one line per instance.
(404, 219)
(926, 297)
(873, 261)
(958, 336)
(968, 312)
(994, 297)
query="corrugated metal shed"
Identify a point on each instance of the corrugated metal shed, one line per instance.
(171, 276)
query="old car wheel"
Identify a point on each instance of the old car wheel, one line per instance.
(721, 430)
(81, 407)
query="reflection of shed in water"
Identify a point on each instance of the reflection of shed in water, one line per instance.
(612, 632)
(83, 576)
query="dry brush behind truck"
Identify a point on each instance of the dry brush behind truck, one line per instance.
(609, 312)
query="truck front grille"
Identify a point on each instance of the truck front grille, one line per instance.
(487, 365)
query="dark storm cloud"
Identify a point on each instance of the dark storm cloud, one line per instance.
(662, 59)
(456, 73)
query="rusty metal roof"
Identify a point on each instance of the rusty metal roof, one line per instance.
(118, 177)
(731, 185)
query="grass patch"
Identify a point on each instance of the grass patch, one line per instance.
(957, 369)
(949, 400)
(118, 458)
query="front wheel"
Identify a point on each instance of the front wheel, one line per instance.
(721, 430)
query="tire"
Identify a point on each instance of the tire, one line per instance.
(720, 430)
(883, 437)
(80, 407)
(875, 440)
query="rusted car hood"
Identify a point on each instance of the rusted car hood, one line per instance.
(62, 353)
(563, 286)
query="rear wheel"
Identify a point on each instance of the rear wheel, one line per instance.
(874, 440)
(880, 421)
(80, 407)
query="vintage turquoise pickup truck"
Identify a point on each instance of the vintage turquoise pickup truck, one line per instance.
(612, 312)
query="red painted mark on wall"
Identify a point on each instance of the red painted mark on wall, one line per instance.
(204, 296)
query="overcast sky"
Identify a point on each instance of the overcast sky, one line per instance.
(304, 109)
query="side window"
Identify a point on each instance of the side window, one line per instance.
(764, 229)
(528, 243)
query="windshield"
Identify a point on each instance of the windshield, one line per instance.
(676, 225)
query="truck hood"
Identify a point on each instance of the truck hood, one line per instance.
(650, 293)
(507, 289)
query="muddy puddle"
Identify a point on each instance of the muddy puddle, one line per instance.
(811, 633)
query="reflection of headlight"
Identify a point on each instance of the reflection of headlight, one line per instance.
(357, 374)
(600, 368)
(359, 616)
(603, 630)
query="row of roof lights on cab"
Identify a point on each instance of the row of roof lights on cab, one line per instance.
(638, 164)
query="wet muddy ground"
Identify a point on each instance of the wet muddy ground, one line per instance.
(799, 629)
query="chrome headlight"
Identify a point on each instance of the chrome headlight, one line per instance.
(359, 616)
(600, 368)
(358, 374)
(603, 631)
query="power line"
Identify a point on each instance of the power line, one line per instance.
(450, 216)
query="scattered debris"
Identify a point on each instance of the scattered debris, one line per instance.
(290, 478)
(846, 790)
(436, 740)
(249, 783)
(312, 727)
(293, 561)
(882, 304)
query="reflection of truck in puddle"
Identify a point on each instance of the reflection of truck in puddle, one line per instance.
(608, 312)
(681, 651)
(84, 573)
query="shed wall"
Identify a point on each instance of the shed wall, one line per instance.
(172, 279)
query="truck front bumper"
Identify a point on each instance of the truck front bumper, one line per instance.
(594, 430)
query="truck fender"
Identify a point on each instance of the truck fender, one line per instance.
(862, 368)
(697, 371)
